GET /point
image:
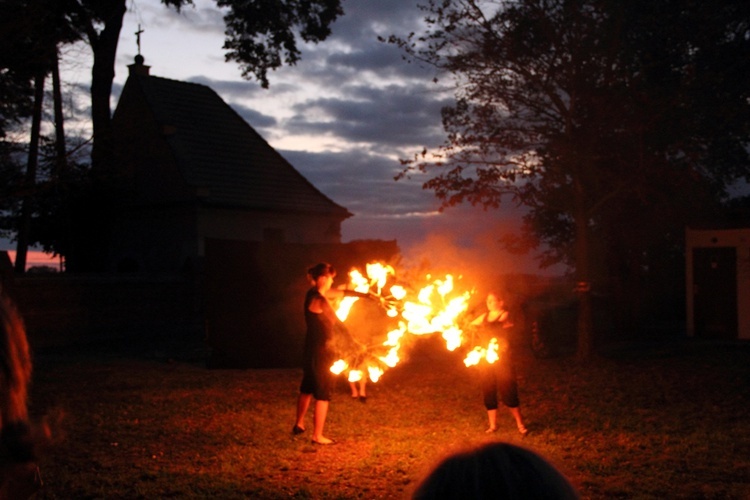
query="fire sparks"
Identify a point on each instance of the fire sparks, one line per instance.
(398, 292)
(358, 283)
(378, 274)
(374, 373)
(435, 308)
(339, 366)
(479, 353)
(435, 311)
(391, 359)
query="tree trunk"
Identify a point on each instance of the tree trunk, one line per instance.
(102, 75)
(61, 157)
(24, 226)
(91, 210)
(583, 278)
(60, 176)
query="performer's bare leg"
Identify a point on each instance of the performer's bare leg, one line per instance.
(492, 417)
(358, 388)
(319, 421)
(516, 412)
(303, 403)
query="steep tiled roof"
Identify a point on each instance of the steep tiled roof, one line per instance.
(221, 155)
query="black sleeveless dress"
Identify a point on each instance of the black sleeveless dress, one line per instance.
(318, 355)
(500, 376)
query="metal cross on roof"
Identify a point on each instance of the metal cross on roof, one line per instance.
(138, 38)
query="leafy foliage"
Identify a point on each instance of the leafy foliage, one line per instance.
(11, 178)
(29, 33)
(616, 98)
(261, 34)
(615, 123)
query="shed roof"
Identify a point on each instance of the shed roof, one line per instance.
(222, 156)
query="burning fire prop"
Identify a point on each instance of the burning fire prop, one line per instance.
(437, 307)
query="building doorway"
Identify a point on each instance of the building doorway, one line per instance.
(715, 292)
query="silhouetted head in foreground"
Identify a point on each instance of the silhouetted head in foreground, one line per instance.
(495, 471)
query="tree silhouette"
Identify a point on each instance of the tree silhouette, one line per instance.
(603, 117)
(260, 36)
(31, 35)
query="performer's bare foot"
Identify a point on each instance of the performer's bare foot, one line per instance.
(322, 440)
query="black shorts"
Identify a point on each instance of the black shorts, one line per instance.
(317, 379)
(501, 380)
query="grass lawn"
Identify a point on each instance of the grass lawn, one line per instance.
(659, 421)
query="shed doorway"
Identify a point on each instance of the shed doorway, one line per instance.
(715, 292)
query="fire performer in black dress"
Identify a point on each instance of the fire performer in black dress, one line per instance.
(500, 376)
(319, 353)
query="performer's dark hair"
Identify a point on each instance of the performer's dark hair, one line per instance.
(321, 269)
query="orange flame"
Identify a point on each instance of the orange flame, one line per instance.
(479, 353)
(398, 292)
(339, 366)
(375, 373)
(358, 283)
(434, 308)
(436, 313)
(393, 341)
(378, 274)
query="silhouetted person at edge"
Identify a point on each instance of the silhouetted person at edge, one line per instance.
(319, 354)
(495, 471)
(19, 440)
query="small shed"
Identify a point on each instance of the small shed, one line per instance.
(190, 168)
(718, 283)
(201, 191)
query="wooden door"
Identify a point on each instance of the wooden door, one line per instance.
(715, 292)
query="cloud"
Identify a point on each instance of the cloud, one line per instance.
(254, 118)
(391, 119)
(343, 116)
(363, 184)
(364, 18)
(203, 17)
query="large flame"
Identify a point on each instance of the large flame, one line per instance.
(435, 311)
(358, 283)
(378, 274)
(437, 307)
(479, 353)
(339, 366)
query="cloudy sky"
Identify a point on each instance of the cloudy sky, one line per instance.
(343, 116)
